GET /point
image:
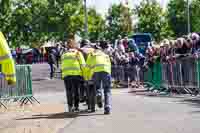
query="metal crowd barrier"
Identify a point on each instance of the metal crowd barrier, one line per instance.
(181, 75)
(149, 78)
(21, 91)
(153, 77)
(123, 75)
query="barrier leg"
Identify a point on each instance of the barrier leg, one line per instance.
(1, 104)
(23, 101)
(28, 100)
(34, 99)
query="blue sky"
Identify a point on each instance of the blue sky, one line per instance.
(103, 5)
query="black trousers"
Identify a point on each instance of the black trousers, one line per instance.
(83, 93)
(72, 85)
(91, 96)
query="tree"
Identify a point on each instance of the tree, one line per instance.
(195, 15)
(36, 21)
(177, 16)
(28, 19)
(61, 15)
(32, 22)
(152, 19)
(5, 16)
(119, 21)
(96, 25)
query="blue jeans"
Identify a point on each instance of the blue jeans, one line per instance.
(104, 79)
(51, 70)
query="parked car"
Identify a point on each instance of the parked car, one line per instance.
(142, 40)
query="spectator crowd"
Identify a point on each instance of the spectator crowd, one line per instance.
(129, 61)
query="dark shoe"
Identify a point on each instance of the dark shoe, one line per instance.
(99, 102)
(82, 101)
(107, 111)
(76, 109)
(93, 110)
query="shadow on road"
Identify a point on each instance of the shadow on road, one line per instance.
(62, 115)
(191, 101)
(157, 95)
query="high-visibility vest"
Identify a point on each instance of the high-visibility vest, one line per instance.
(97, 61)
(86, 51)
(6, 61)
(72, 63)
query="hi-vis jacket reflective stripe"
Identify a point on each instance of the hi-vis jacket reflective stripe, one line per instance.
(97, 61)
(4, 57)
(72, 63)
(6, 60)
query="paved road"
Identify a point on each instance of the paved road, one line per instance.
(141, 114)
(131, 113)
(136, 113)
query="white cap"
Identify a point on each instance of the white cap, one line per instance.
(195, 35)
(161, 44)
(165, 42)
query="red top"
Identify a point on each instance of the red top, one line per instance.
(125, 43)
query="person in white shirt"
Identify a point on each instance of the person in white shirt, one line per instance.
(120, 47)
(117, 41)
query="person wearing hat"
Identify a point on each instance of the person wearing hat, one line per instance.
(85, 49)
(99, 69)
(183, 48)
(87, 86)
(87, 89)
(195, 41)
(72, 66)
(87, 93)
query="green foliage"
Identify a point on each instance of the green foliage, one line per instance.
(32, 22)
(119, 22)
(152, 19)
(5, 16)
(195, 15)
(26, 22)
(177, 15)
(96, 25)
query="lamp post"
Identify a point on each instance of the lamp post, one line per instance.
(188, 17)
(86, 20)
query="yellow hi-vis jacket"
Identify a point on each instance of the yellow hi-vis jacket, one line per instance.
(6, 61)
(72, 63)
(97, 61)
